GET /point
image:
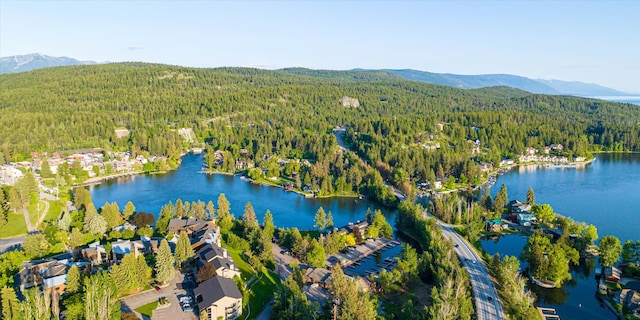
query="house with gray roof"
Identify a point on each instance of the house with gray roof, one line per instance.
(219, 297)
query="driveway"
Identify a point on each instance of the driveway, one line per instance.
(282, 261)
(171, 292)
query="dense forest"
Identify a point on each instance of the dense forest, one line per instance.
(408, 131)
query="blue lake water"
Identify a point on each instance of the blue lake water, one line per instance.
(605, 194)
(150, 192)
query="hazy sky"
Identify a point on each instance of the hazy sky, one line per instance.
(589, 41)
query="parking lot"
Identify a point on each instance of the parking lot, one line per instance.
(176, 289)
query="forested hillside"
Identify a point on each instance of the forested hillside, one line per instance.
(393, 123)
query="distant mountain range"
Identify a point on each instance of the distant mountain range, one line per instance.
(32, 61)
(35, 61)
(573, 88)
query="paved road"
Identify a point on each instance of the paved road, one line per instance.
(486, 299)
(11, 243)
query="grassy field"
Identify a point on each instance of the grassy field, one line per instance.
(16, 226)
(260, 290)
(147, 309)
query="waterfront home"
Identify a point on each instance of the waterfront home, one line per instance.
(494, 225)
(125, 226)
(219, 297)
(611, 274)
(630, 299)
(526, 219)
(189, 225)
(515, 206)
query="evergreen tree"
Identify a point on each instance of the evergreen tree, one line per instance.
(211, 211)
(610, 250)
(164, 263)
(500, 200)
(82, 198)
(65, 222)
(10, 304)
(183, 248)
(111, 214)
(225, 218)
(531, 197)
(74, 280)
(269, 228)
(249, 219)
(100, 298)
(330, 220)
(93, 222)
(320, 219)
(129, 210)
(45, 169)
(316, 255)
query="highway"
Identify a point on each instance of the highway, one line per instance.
(485, 296)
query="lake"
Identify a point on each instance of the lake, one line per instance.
(150, 192)
(604, 193)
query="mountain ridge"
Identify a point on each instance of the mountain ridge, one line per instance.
(21, 63)
(33, 61)
(557, 87)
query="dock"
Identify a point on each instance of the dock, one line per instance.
(548, 313)
(360, 252)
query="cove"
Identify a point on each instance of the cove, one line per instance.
(150, 192)
(605, 194)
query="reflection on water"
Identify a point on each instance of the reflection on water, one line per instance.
(575, 300)
(150, 192)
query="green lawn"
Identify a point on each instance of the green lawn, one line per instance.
(33, 209)
(147, 309)
(54, 211)
(16, 226)
(261, 292)
(245, 268)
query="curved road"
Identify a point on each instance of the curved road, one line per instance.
(485, 296)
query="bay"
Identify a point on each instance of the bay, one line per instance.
(150, 192)
(604, 193)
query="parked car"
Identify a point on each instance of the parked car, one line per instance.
(157, 288)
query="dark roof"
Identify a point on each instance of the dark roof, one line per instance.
(54, 271)
(209, 252)
(214, 289)
(223, 262)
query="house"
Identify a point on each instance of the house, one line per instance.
(630, 299)
(219, 258)
(125, 226)
(494, 225)
(121, 248)
(204, 234)
(526, 219)
(515, 206)
(611, 274)
(189, 225)
(321, 276)
(219, 297)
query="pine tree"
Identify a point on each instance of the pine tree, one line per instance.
(129, 210)
(45, 169)
(93, 222)
(249, 219)
(183, 248)
(531, 197)
(74, 280)
(82, 198)
(320, 219)
(101, 301)
(10, 304)
(164, 263)
(211, 211)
